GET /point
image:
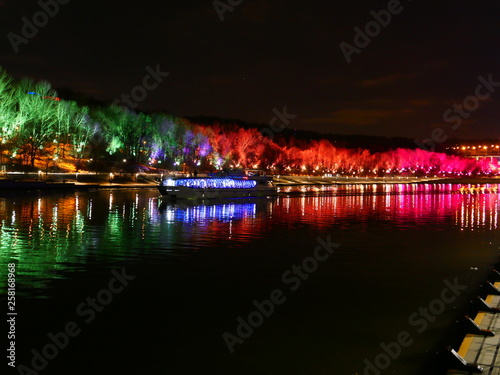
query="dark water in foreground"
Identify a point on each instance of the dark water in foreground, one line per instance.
(197, 268)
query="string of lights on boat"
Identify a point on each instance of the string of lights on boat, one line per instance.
(211, 183)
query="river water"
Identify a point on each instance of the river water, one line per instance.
(318, 280)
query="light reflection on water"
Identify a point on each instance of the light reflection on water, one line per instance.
(203, 265)
(47, 233)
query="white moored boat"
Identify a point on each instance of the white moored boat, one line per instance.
(229, 184)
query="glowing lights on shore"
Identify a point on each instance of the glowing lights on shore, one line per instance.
(493, 148)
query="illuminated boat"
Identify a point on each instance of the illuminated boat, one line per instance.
(219, 185)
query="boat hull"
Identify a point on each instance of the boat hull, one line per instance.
(175, 192)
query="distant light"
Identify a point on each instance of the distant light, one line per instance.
(55, 98)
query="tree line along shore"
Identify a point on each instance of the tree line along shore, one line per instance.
(41, 131)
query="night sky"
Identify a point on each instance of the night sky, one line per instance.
(271, 54)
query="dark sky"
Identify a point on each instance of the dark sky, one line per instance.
(271, 54)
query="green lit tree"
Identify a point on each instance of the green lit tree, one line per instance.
(84, 130)
(36, 118)
(143, 135)
(64, 120)
(126, 132)
(74, 127)
(7, 112)
(164, 138)
(112, 119)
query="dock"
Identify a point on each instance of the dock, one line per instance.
(480, 349)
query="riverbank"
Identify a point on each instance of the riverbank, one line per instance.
(87, 181)
(342, 180)
(13, 185)
(76, 181)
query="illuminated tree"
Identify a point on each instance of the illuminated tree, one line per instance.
(180, 141)
(175, 140)
(221, 146)
(245, 143)
(74, 128)
(34, 122)
(202, 148)
(163, 138)
(7, 111)
(69, 119)
(126, 131)
(36, 117)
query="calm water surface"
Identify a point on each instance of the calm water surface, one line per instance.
(198, 268)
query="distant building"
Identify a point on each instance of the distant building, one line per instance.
(475, 150)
